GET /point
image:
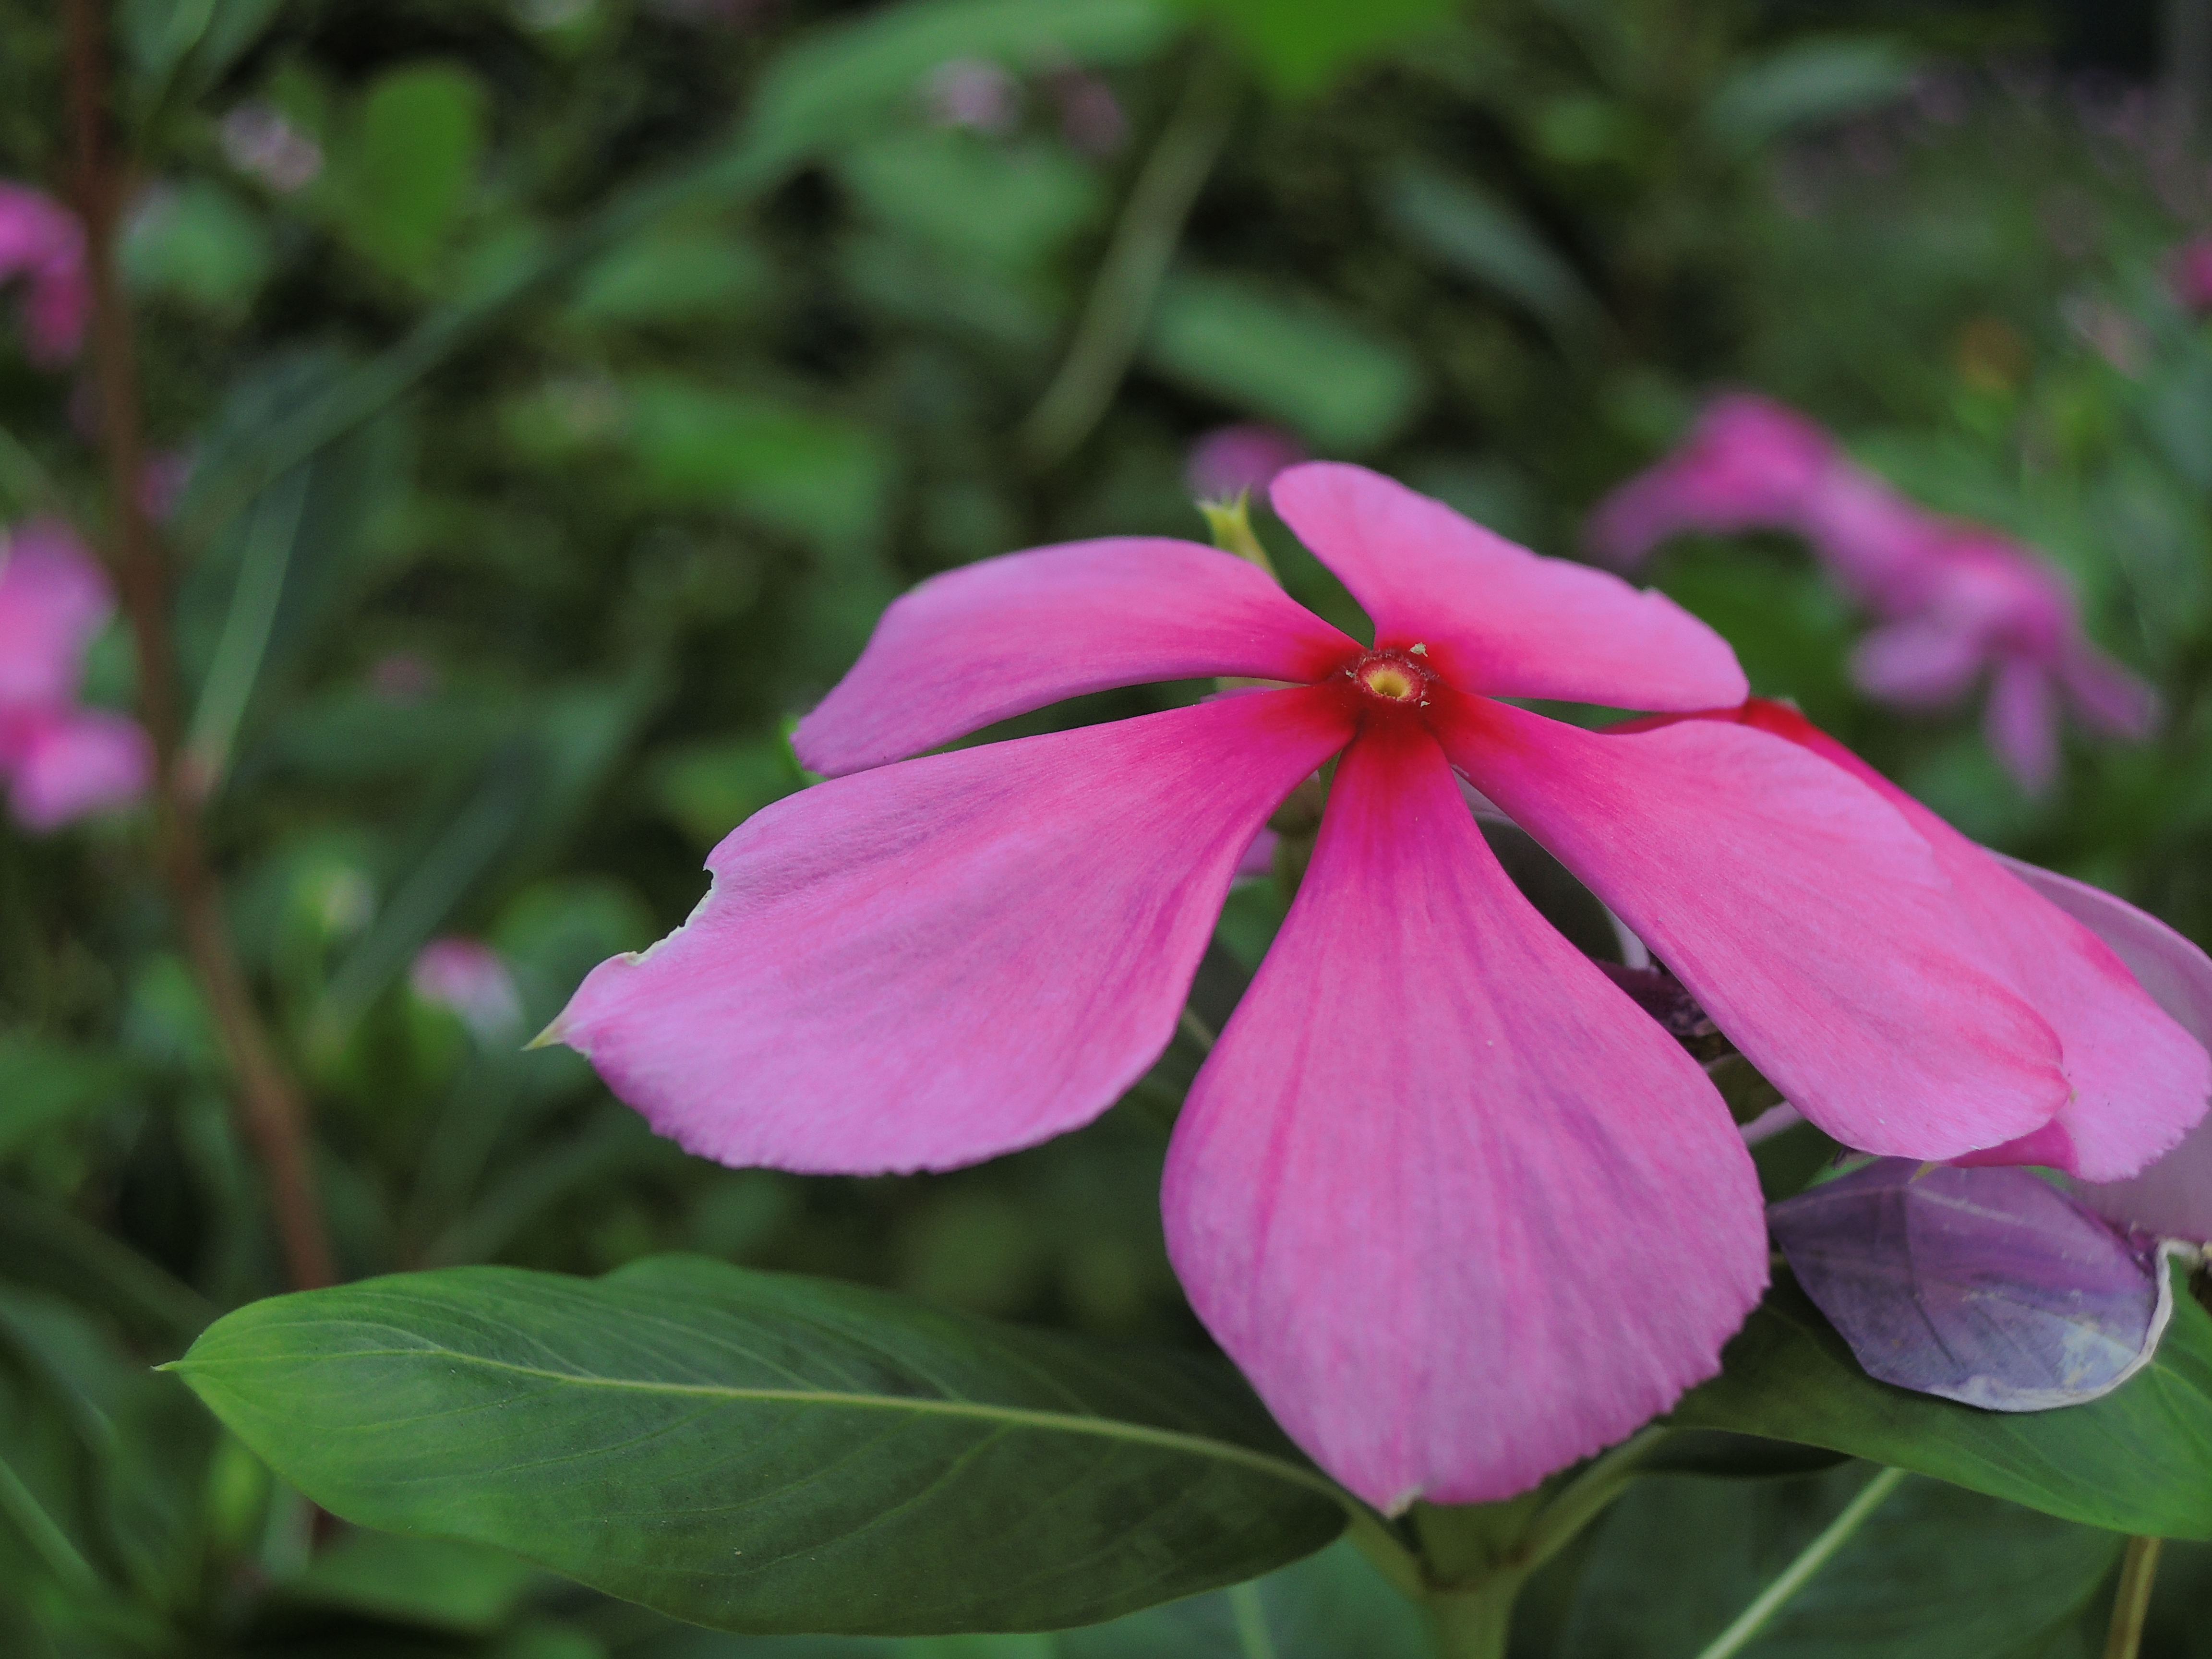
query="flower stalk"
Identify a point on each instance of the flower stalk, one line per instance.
(268, 1105)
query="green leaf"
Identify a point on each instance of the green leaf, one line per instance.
(2137, 1461)
(44, 1083)
(1299, 46)
(418, 1581)
(1487, 239)
(1291, 356)
(402, 178)
(768, 1453)
(1807, 84)
(199, 245)
(1933, 1573)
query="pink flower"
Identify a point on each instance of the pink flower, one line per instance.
(62, 762)
(1457, 1206)
(2137, 1071)
(1234, 460)
(256, 139)
(42, 242)
(973, 92)
(469, 978)
(2188, 275)
(1954, 602)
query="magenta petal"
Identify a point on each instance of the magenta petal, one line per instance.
(939, 961)
(2021, 722)
(1494, 617)
(68, 766)
(1010, 634)
(2138, 1081)
(1798, 907)
(2173, 1196)
(1407, 1183)
(1988, 1286)
(54, 597)
(1922, 662)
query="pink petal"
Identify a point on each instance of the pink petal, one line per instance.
(1010, 634)
(2107, 697)
(69, 766)
(1495, 617)
(1748, 464)
(1258, 858)
(941, 961)
(2021, 722)
(44, 242)
(2174, 1195)
(1433, 1138)
(54, 599)
(1922, 662)
(2138, 1079)
(1800, 908)
(1877, 545)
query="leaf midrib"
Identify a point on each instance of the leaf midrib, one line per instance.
(1106, 1428)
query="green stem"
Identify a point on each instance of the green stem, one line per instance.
(2131, 1606)
(244, 641)
(43, 1536)
(1793, 1577)
(1471, 1625)
(1129, 276)
(1253, 1641)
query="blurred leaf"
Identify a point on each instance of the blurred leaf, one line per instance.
(1299, 46)
(399, 181)
(811, 474)
(709, 788)
(197, 244)
(768, 1453)
(929, 184)
(1934, 1573)
(180, 48)
(1291, 356)
(672, 274)
(1809, 83)
(52, 1251)
(2137, 1461)
(833, 82)
(416, 1580)
(45, 1083)
(1485, 237)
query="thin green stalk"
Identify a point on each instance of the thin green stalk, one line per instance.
(1144, 239)
(239, 653)
(1793, 1577)
(44, 1534)
(1587, 1496)
(1196, 1030)
(1253, 1641)
(2131, 1606)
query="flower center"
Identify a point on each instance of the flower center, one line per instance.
(1392, 677)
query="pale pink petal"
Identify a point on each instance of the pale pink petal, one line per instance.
(2174, 1195)
(1922, 662)
(1494, 617)
(1010, 634)
(1797, 906)
(940, 961)
(76, 763)
(54, 597)
(2139, 1081)
(2021, 722)
(1878, 546)
(1435, 1153)
(2107, 697)
(471, 979)
(1748, 464)
(1259, 857)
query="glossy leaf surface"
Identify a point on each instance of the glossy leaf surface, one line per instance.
(767, 1453)
(2137, 1461)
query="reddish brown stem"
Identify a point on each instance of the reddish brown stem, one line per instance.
(269, 1107)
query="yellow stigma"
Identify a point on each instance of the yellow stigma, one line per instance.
(1388, 680)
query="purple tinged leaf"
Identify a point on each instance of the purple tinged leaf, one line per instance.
(1986, 1285)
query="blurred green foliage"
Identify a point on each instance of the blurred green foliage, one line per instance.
(569, 383)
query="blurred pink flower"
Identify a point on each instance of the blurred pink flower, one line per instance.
(469, 978)
(1432, 1125)
(2188, 275)
(161, 482)
(61, 761)
(1953, 602)
(1236, 460)
(42, 242)
(1091, 117)
(973, 92)
(402, 677)
(258, 140)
